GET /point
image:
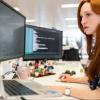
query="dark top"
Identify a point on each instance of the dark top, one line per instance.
(95, 83)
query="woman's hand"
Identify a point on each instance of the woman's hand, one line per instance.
(65, 78)
(73, 78)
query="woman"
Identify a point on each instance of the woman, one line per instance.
(89, 24)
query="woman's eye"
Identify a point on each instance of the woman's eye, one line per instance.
(85, 15)
(88, 14)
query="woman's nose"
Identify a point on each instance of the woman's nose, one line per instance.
(83, 21)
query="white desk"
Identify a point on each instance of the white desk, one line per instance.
(60, 67)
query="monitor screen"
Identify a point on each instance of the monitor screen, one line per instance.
(12, 30)
(42, 43)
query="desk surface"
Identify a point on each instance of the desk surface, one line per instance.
(51, 81)
(60, 67)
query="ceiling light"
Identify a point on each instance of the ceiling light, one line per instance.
(70, 18)
(69, 5)
(30, 20)
(16, 8)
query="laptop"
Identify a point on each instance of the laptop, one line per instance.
(25, 90)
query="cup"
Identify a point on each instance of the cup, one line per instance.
(23, 72)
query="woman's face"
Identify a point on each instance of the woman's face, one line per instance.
(90, 20)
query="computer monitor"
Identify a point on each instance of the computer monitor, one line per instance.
(12, 32)
(42, 43)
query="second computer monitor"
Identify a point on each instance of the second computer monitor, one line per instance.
(42, 43)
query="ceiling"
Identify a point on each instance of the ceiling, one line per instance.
(48, 13)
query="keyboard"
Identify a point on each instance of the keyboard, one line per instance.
(14, 88)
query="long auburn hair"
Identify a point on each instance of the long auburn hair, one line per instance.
(93, 53)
